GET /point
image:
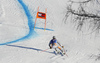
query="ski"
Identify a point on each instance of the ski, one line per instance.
(65, 52)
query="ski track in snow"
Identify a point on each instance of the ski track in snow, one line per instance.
(98, 2)
(1, 11)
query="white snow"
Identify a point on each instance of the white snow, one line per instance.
(81, 48)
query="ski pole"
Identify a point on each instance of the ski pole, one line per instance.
(44, 50)
(65, 52)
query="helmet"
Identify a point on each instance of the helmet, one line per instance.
(54, 37)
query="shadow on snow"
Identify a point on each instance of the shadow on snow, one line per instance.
(30, 48)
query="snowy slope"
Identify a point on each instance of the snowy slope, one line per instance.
(21, 43)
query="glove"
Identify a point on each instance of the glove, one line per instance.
(62, 46)
(50, 47)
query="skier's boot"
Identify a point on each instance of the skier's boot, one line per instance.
(56, 51)
(63, 53)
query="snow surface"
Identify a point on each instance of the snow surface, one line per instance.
(21, 43)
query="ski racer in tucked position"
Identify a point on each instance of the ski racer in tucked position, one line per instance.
(54, 44)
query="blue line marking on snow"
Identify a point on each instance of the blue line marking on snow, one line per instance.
(31, 33)
(43, 29)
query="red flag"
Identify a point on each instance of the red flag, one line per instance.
(41, 15)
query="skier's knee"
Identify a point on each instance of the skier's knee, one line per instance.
(59, 47)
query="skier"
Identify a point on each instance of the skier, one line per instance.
(56, 45)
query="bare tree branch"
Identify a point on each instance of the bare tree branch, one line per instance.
(81, 16)
(80, 2)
